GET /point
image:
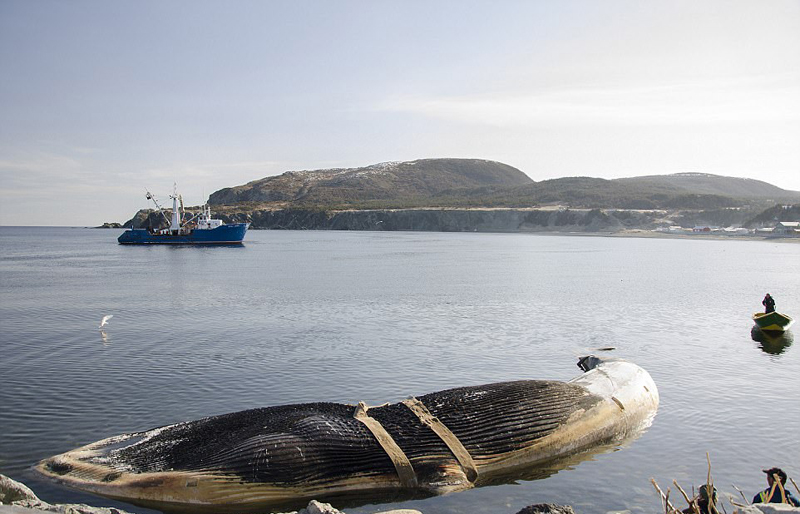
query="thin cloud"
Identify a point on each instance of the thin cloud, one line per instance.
(729, 101)
(39, 172)
(40, 163)
(248, 165)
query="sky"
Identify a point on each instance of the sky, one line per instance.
(100, 101)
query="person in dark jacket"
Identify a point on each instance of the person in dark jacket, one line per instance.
(769, 304)
(701, 500)
(776, 492)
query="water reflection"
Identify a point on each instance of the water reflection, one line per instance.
(774, 343)
(104, 338)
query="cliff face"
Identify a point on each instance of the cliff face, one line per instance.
(433, 220)
(469, 220)
(449, 220)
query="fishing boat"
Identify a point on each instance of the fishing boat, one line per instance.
(772, 321)
(200, 229)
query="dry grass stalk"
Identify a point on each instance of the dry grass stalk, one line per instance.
(777, 481)
(692, 504)
(712, 506)
(693, 501)
(668, 507)
(746, 502)
(794, 484)
(708, 478)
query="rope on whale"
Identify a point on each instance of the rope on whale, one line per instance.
(405, 471)
(446, 435)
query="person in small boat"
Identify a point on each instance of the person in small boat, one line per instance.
(701, 500)
(776, 492)
(769, 304)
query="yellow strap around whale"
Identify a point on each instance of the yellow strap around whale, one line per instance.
(405, 471)
(449, 438)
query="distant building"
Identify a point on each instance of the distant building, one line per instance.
(705, 228)
(786, 228)
(735, 231)
(673, 229)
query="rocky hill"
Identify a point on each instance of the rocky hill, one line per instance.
(479, 195)
(775, 214)
(387, 181)
(464, 183)
(707, 184)
(592, 193)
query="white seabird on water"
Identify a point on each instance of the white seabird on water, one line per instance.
(104, 321)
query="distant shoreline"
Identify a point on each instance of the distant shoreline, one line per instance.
(702, 235)
(649, 234)
(633, 233)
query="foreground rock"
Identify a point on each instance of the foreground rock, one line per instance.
(13, 491)
(767, 508)
(22, 499)
(315, 507)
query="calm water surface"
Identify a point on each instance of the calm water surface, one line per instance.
(346, 316)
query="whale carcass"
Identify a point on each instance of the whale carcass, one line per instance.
(440, 442)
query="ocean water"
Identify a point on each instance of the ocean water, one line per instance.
(300, 316)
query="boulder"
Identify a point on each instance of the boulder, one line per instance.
(767, 508)
(12, 491)
(20, 499)
(315, 507)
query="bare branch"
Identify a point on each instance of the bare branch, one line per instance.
(778, 482)
(692, 504)
(668, 507)
(794, 484)
(746, 502)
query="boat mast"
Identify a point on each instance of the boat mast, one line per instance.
(175, 225)
(150, 196)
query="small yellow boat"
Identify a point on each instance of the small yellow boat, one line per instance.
(772, 321)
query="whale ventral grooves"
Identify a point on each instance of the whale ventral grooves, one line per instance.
(294, 444)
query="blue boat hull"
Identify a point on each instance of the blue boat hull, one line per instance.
(226, 235)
